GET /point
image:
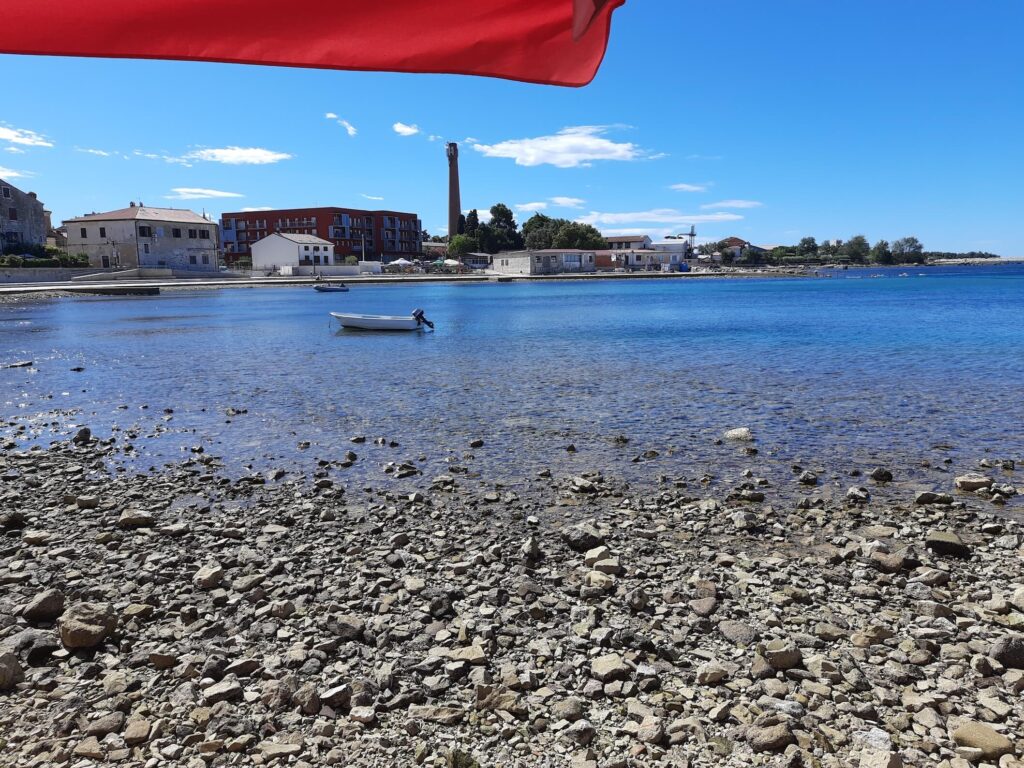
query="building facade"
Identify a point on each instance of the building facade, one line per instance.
(291, 252)
(554, 261)
(23, 219)
(629, 242)
(388, 235)
(143, 237)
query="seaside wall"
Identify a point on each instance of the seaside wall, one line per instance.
(45, 274)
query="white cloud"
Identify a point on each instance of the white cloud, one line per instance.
(732, 204)
(24, 137)
(689, 187)
(569, 148)
(259, 208)
(349, 128)
(434, 137)
(10, 173)
(238, 156)
(97, 152)
(658, 216)
(14, 150)
(529, 207)
(198, 193)
(405, 130)
(567, 202)
(371, 197)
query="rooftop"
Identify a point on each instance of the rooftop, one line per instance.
(624, 238)
(144, 213)
(301, 239)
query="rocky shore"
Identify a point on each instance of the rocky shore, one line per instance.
(189, 618)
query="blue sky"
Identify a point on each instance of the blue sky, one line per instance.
(770, 121)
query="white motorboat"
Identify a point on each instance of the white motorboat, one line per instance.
(414, 322)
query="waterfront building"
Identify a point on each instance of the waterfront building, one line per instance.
(143, 237)
(629, 242)
(23, 219)
(553, 261)
(386, 235)
(288, 253)
(640, 260)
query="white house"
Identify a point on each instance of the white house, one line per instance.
(293, 254)
(143, 237)
(553, 261)
(629, 242)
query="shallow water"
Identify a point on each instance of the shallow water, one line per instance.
(838, 373)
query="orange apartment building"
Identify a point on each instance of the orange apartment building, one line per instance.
(388, 235)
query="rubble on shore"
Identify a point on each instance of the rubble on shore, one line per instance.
(186, 618)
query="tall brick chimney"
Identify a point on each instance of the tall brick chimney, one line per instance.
(454, 196)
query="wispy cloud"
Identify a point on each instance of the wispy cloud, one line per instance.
(23, 136)
(256, 209)
(689, 187)
(97, 152)
(198, 193)
(530, 207)
(573, 147)
(370, 197)
(657, 216)
(567, 202)
(703, 157)
(238, 156)
(349, 128)
(732, 204)
(10, 173)
(14, 150)
(403, 129)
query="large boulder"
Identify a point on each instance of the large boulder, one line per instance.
(86, 625)
(1009, 651)
(946, 543)
(973, 482)
(992, 744)
(11, 672)
(45, 607)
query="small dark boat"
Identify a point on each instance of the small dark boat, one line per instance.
(328, 288)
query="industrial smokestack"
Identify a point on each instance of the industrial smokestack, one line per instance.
(454, 196)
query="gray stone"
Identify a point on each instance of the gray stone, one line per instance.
(11, 672)
(45, 607)
(86, 625)
(946, 543)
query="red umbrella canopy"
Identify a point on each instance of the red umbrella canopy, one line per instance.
(557, 42)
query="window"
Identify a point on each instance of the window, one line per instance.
(228, 223)
(103, 231)
(7, 192)
(12, 214)
(145, 248)
(85, 234)
(191, 258)
(176, 232)
(204, 234)
(192, 234)
(305, 247)
(316, 248)
(145, 231)
(206, 258)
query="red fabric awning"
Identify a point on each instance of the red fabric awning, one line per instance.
(558, 42)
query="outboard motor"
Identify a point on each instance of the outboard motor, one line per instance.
(421, 319)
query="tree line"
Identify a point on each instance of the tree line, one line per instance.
(856, 250)
(501, 233)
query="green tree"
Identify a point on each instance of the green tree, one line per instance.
(539, 231)
(472, 222)
(808, 248)
(351, 261)
(573, 234)
(856, 249)
(461, 245)
(908, 250)
(503, 222)
(750, 256)
(830, 248)
(880, 253)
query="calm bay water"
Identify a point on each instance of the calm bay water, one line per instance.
(839, 373)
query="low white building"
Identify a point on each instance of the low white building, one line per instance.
(629, 242)
(143, 237)
(293, 254)
(553, 261)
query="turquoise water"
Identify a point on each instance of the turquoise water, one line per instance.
(842, 372)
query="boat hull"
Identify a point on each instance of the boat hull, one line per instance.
(376, 322)
(331, 288)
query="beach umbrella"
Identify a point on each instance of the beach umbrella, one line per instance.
(451, 263)
(402, 263)
(557, 42)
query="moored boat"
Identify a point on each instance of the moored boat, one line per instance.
(328, 288)
(416, 321)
